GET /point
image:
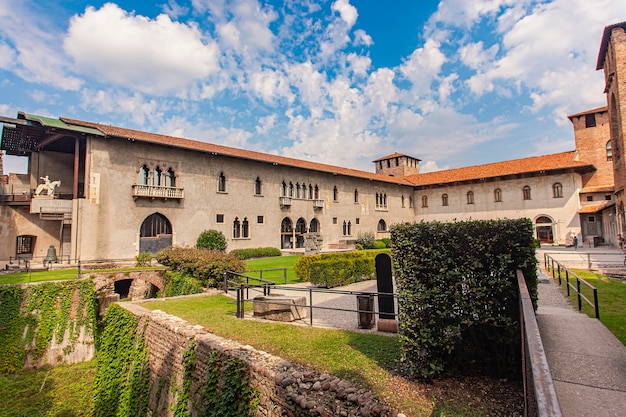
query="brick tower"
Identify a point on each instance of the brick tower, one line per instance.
(612, 59)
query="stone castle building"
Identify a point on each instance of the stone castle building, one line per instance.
(95, 191)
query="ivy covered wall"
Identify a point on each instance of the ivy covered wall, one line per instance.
(48, 323)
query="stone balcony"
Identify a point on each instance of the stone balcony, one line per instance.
(155, 191)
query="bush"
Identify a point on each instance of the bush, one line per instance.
(176, 284)
(202, 264)
(143, 259)
(367, 240)
(458, 295)
(250, 253)
(336, 269)
(211, 239)
(386, 241)
(379, 244)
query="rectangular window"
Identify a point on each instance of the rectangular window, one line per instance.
(590, 120)
(219, 218)
(357, 221)
(591, 219)
(24, 244)
(259, 219)
(334, 220)
(607, 197)
(589, 198)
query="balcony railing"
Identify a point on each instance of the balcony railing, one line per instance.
(318, 203)
(285, 201)
(155, 191)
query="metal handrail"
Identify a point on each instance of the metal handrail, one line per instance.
(549, 263)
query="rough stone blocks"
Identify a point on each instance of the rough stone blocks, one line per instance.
(279, 307)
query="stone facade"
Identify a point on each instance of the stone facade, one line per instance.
(285, 388)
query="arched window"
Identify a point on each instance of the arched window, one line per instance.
(497, 195)
(290, 189)
(424, 201)
(221, 183)
(144, 175)
(236, 228)
(170, 178)
(349, 228)
(335, 194)
(317, 192)
(303, 190)
(345, 228)
(609, 151)
(444, 199)
(245, 230)
(297, 190)
(158, 174)
(356, 195)
(258, 186)
(402, 201)
(382, 226)
(470, 197)
(311, 192)
(155, 233)
(526, 192)
(314, 227)
(301, 225)
(557, 190)
(283, 189)
(411, 202)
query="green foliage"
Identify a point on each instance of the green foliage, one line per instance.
(143, 259)
(202, 264)
(211, 239)
(175, 284)
(336, 269)
(250, 253)
(366, 240)
(379, 244)
(122, 382)
(30, 318)
(181, 409)
(226, 391)
(386, 241)
(457, 290)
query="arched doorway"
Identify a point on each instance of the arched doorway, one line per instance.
(155, 234)
(314, 226)
(286, 233)
(545, 234)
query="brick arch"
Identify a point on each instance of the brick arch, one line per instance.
(104, 280)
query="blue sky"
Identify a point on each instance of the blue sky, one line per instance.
(452, 82)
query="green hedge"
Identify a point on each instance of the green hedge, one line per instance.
(176, 283)
(250, 253)
(336, 269)
(202, 264)
(458, 297)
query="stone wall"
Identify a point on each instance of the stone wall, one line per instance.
(284, 388)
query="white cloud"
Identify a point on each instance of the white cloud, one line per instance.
(475, 56)
(174, 10)
(7, 56)
(156, 56)
(347, 11)
(131, 106)
(423, 65)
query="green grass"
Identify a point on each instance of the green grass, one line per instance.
(63, 391)
(56, 274)
(272, 263)
(369, 360)
(611, 300)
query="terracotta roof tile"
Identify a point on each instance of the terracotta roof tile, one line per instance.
(591, 111)
(232, 152)
(393, 155)
(530, 165)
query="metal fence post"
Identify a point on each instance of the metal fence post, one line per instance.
(595, 302)
(567, 281)
(311, 306)
(580, 301)
(559, 272)
(225, 276)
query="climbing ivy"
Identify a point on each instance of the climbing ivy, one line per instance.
(31, 317)
(227, 391)
(189, 362)
(122, 382)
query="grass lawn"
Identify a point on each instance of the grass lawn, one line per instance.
(60, 391)
(56, 274)
(611, 299)
(273, 263)
(369, 360)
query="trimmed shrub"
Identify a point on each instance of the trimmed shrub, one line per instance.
(336, 269)
(143, 259)
(386, 241)
(250, 253)
(211, 239)
(202, 264)
(458, 295)
(379, 244)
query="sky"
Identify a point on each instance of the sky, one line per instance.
(343, 82)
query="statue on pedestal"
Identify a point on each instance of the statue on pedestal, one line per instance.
(48, 186)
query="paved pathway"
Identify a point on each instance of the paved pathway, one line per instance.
(587, 363)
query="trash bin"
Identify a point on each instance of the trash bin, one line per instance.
(365, 305)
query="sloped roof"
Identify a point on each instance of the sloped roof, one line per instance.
(592, 111)
(394, 155)
(535, 164)
(154, 138)
(594, 208)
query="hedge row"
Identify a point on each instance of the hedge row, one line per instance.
(250, 253)
(202, 264)
(336, 269)
(458, 294)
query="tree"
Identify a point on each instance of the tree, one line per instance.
(211, 239)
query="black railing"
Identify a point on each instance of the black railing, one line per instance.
(267, 286)
(558, 270)
(270, 271)
(540, 398)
